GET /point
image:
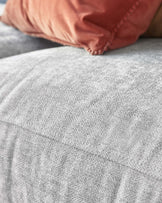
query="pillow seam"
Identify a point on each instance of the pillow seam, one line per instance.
(115, 30)
(124, 20)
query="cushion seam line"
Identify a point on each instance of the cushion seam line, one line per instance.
(84, 151)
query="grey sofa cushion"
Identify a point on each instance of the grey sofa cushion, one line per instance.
(3, 1)
(13, 42)
(81, 128)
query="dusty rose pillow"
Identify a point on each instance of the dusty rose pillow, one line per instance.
(94, 25)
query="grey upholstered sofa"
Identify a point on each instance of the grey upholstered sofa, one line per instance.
(13, 42)
(3, 1)
(76, 128)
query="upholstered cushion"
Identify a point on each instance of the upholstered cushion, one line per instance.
(95, 25)
(13, 42)
(76, 128)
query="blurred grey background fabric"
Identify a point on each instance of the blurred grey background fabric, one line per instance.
(76, 128)
(13, 42)
(3, 1)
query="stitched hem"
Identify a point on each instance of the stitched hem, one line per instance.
(77, 148)
(124, 20)
(115, 30)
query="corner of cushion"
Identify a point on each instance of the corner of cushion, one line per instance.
(99, 51)
(95, 52)
(109, 42)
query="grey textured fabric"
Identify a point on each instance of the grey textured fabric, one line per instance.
(76, 128)
(3, 1)
(13, 42)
